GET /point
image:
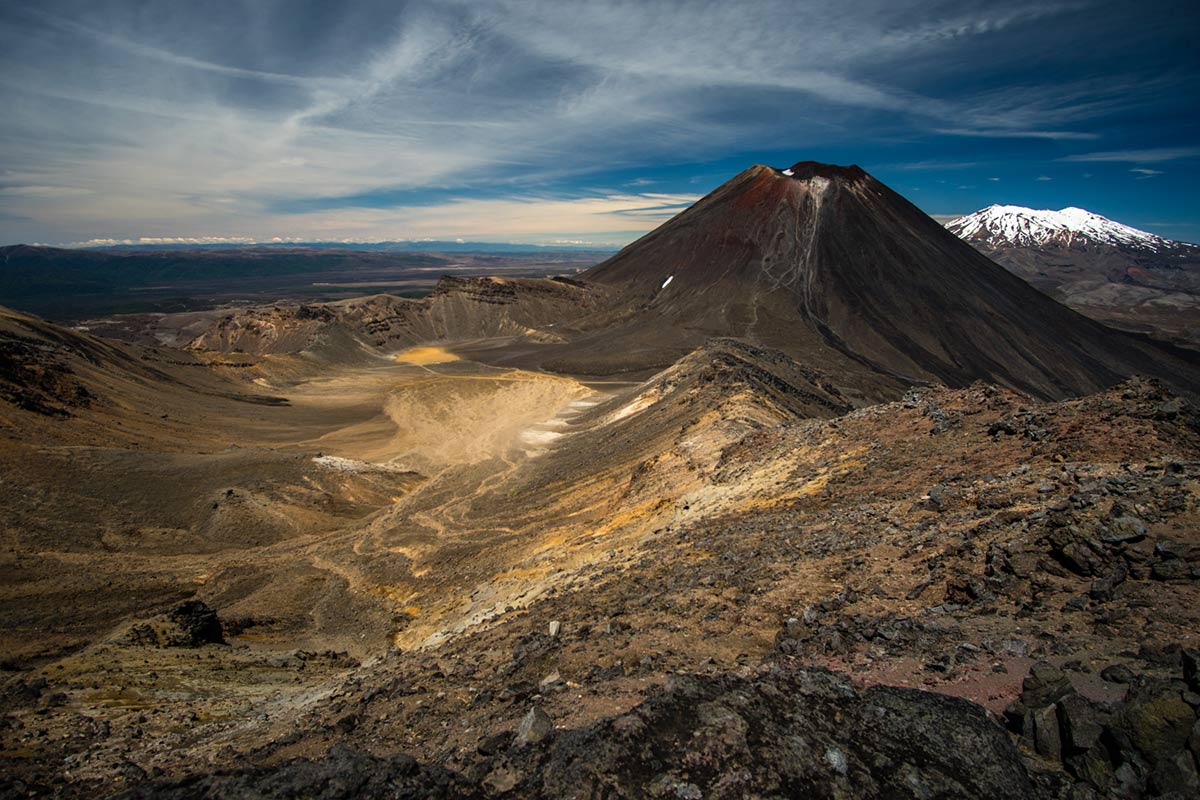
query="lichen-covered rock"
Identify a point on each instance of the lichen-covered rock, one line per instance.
(535, 727)
(1155, 723)
(1143, 746)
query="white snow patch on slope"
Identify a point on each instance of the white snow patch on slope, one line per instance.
(788, 172)
(1026, 227)
(667, 281)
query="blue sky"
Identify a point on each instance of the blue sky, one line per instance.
(544, 122)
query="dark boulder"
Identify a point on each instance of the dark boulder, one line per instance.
(1082, 723)
(1191, 667)
(1154, 724)
(190, 624)
(197, 623)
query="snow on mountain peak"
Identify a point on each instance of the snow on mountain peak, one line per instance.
(999, 225)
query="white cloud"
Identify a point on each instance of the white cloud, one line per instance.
(166, 240)
(1151, 156)
(1044, 178)
(932, 164)
(33, 192)
(604, 219)
(1004, 133)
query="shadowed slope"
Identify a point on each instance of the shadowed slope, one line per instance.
(831, 266)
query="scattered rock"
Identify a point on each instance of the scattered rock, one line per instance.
(1044, 685)
(535, 727)
(1124, 529)
(774, 733)
(1045, 732)
(1142, 747)
(1117, 673)
(550, 683)
(1102, 588)
(1171, 570)
(1081, 723)
(800, 732)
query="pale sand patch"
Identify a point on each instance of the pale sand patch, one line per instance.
(539, 437)
(426, 420)
(465, 420)
(422, 356)
(639, 403)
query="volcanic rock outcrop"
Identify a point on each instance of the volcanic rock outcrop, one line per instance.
(459, 308)
(775, 734)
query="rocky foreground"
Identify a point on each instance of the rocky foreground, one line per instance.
(961, 594)
(777, 731)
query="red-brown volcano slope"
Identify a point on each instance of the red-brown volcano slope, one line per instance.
(834, 268)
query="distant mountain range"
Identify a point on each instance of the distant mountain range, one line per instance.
(71, 284)
(1112, 272)
(406, 246)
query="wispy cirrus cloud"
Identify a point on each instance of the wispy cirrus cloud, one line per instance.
(1149, 156)
(34, 191)
(166, 57)
(185, 123)
(603, 219)
(931, 164)
(995, 133)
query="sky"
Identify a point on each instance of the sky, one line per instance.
(557, 122)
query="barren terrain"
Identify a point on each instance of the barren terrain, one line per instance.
(406, 553)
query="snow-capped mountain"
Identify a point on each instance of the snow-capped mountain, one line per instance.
(1117, 274)
(1017, 226)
